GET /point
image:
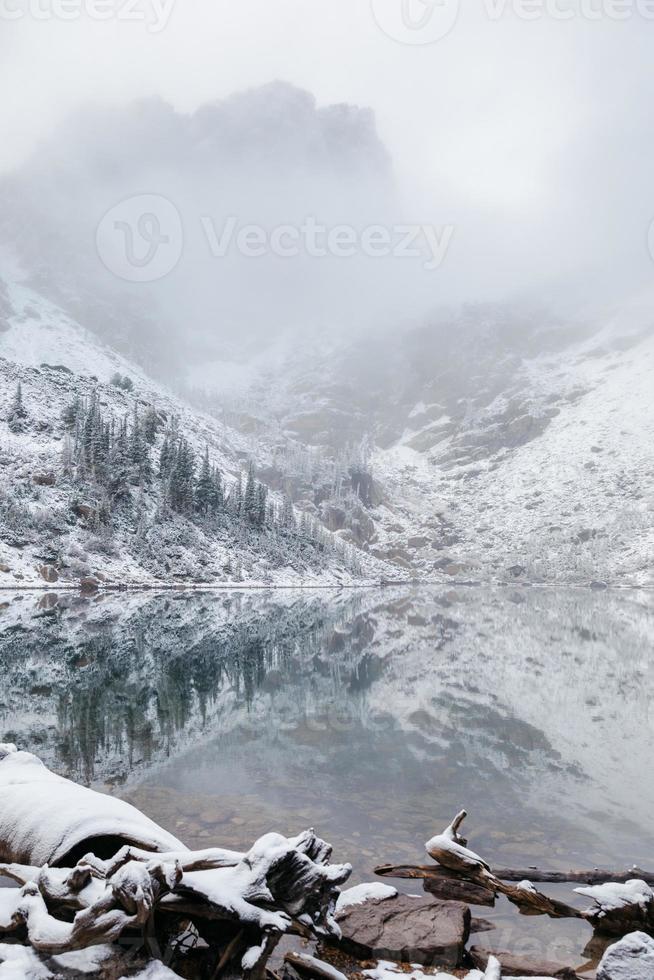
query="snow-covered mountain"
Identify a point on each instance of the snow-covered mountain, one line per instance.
(51, 508)
(501, 445)
(491, 443)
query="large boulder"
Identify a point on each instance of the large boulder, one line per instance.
(632, 958)
(405, 929)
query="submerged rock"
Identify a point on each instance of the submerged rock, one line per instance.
(521, 966)
(632, 958)
(405, 929)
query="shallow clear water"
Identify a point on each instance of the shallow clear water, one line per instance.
(373, 716)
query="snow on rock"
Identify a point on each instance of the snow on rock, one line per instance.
(44, 816)
(632, 958)
(155, 970)
(612, 896)
(387, 970)
(364, 893)
(22, 963)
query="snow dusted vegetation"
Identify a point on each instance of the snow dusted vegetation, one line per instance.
(108, 478)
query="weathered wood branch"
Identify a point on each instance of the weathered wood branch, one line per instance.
(443, 883)
(594, 876)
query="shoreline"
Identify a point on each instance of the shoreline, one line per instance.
(334, 587)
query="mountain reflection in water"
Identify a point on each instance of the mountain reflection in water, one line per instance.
(373, 716)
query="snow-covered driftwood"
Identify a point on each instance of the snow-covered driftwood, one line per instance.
(46, 819)
(620, 907)
(143, 879)
(450, 850)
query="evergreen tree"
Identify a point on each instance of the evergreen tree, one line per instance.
(236, 498)
(250, 510)
(67, 456)
(94, 442)
(120, 467)
(287, 516)
(218, 491)
(72, 412)
(17, 417)
(139, 452)
(182, 478)
(151, 423)
(205, 487)
(262, 498)
(166, 458)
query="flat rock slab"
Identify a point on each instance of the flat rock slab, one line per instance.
(408, 930)
(521, 966)
(630, 959)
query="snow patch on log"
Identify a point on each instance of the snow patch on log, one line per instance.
(610, 896)
(365, 892)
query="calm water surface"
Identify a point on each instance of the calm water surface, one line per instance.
(372, 716)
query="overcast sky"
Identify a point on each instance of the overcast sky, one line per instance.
(537, 129)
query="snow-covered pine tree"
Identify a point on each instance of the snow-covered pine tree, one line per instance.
(236, 498)
(166, 458)
(287, 516)
(72, 412)
(67, 457)
(151, 424)
(250, 509)
(120, 467)
(218, 491)
(17, 417)
(205, 487)
(261, 500)
(94, 443)
(139, 451)
(182, 478)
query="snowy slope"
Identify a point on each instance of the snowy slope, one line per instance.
(505, 445)
(55, 359)
(572, 501)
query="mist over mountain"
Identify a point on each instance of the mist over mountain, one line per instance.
(268, 157)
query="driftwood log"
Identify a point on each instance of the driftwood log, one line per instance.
(622, 903)
(238, 904)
